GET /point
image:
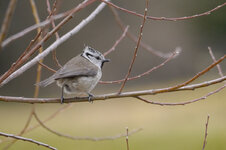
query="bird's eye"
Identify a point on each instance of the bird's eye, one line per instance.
(88, 55)
(98, 58)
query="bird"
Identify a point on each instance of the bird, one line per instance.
(80, 74)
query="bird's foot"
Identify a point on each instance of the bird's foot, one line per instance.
(90, 96)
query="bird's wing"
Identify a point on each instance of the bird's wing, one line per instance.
(76, 72)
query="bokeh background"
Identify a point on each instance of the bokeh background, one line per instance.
(179, 127)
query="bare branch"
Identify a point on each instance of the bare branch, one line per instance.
(46, 22)
(165, 18)
(56, 43)
(27, 140)
(111, 96)
(145, 73)
(84, 137)
(22, 131)
(205, 138)
(127, 138)
(181, 103)
(39, 68)
(47, 67)
(117, 42)
(7, 20)
(136, 49)
(51, 13)
(135, 39)
(214, 60)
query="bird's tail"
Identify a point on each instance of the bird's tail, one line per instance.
(46, 82)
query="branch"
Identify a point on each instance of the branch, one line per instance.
(135, 39)
(207, 122)
(46, 22)
(181, 103)
(7, 20)
(165, 18)
(136, 48)
(56, 43)
(127, 138)
(214, 60)
(117, 42)
(85, 137)
(110, 95)
(51, 13)
(176, 53)
(27, 140)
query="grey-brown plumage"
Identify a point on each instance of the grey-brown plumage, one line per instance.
(80, 74)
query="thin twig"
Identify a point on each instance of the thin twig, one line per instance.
(53, 115)
(47, 67)
(19, 61)
(205, 138)
(46, 22)
(127, 138)
(136, 49)
(51, 13)
(22, 131)
(7, 20)
(39, 68)
(117, 42)
(214, 60)
(135, 39)
(111, 96)
(181, 103)
(199, 74)
(85, 137)
(145, 73)
(59, 16)
(27, 140)
(165, 18)
(53, 46)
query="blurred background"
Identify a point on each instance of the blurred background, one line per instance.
(178, 127)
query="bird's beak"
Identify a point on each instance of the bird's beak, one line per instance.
(106, 60)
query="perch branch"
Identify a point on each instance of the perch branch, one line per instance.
(111, 95)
